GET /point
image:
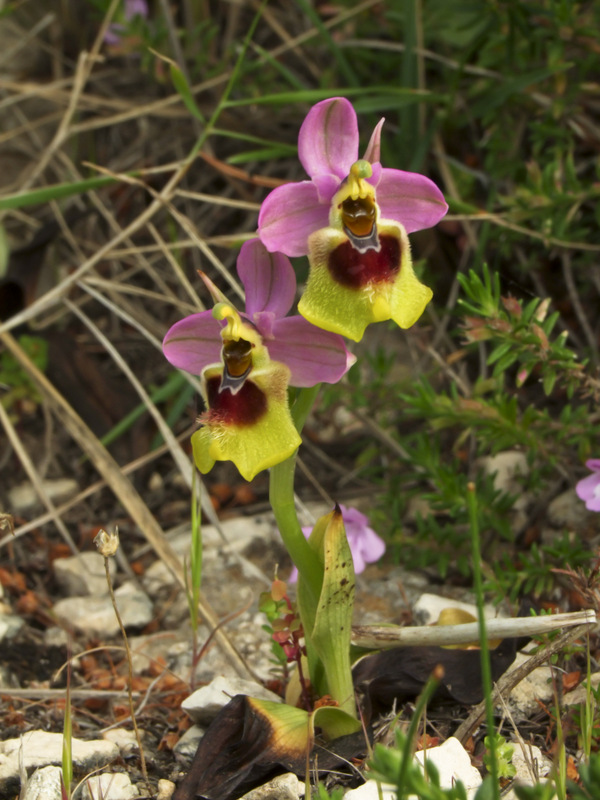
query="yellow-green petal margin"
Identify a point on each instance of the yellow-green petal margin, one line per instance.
(347, 311)
(256, 447)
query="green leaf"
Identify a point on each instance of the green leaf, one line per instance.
(183, 88)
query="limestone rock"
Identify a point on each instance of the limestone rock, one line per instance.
(205, 703)
(94, 616)
(40, 749)
(24, 498)
(370, 791)
(536, 686)
(83, 574)
(44, 784)
(165, 789)
(109, 786)
(453, 764)
(283, 787)
(188, 744)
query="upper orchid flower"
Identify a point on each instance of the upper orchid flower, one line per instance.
(588, 489)
(327, 149)
(312, 355)
(352, 219)
(247, 420)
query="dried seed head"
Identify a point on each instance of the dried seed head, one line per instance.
(107, 543)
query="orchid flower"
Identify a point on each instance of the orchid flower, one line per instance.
(588, 489)
(352, 219)
(312, 355)
(247, 420)
(365, 545)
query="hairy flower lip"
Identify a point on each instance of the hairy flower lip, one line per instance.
(327, 148)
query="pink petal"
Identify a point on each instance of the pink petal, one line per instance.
(328, 138)
(268, 278)
(288, 215)
(593, 464)
(194, 342)
(411, 199)
(373, 151)
(313, 355)
(587, 487)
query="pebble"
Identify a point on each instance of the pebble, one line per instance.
(531, 766)
(188, 744)
(94, 616)
(166, 789)
(453, 764)
(567, 511)
(83, 574)
(10, 625)
(44, 784)
(124, 739)
(24, 498)
(40, 748)
(537, 686)
(109, 786)
(370, 791)
(205, 703)
(283, 787)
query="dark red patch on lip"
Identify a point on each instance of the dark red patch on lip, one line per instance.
(353, 269)
(244, 408)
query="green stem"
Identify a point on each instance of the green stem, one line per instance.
(486, 670)
(281, 497)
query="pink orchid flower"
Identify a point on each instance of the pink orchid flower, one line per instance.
(327, 148)
(365, 545)
(588, 489)
(311, 354)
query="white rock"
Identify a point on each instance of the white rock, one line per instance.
(40, 748)
(283, 787)
(531, 765)
(165, 789)
(83, 574)
(453, 764)
(536, 686)
(205, 703)
(188, 744)
(10, 625)
(124, 739)
(95, 616)
(24, 498)
(428, 607)
(579, 694)
(567, 511)
(109, 786)
(370, 791)
(507, 468)
(44, 784)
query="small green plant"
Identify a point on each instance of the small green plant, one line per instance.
(14, 379)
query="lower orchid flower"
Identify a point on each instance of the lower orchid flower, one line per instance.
(247, 420)
(312, 355)
(588, 489)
